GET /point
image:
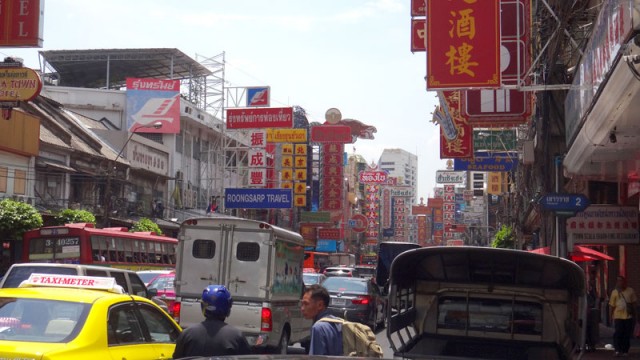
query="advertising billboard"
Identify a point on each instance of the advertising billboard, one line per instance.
(257, 118)
(150, 101)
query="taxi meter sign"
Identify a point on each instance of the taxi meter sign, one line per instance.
(19, 84)
(85, 282)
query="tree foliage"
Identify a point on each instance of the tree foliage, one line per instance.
(145, 224)
(71, 216)
(16, 218)
(504, 238)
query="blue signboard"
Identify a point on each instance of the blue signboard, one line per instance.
(565, 202)
(258, 198)
(487, 161)
(327, 245)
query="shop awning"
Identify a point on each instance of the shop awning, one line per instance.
(56, 166)
(579, 253)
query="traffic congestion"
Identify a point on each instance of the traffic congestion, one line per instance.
(400, 179)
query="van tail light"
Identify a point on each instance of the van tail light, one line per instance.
(361, 300)
(175, 311)
(266, 320)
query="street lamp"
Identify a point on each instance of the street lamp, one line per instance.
(112, 167)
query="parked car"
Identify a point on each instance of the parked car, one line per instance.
(312, 278)
(340, 271)
(356, 299)
(164, 285)
(148, 275)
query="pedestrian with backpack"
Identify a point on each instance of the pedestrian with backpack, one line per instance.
(331, 335)
(326, 337)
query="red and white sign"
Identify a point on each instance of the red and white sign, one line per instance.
(258, 138)
(463, 44)
(331, 134)
(151, 101)
(329, 234)
(373, 177)
(87, 282)
(604, 225)
(21, 23)
(257, 118)
(418, 35)
(258, 177)
(360, 223)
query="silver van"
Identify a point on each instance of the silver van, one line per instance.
(129, 280)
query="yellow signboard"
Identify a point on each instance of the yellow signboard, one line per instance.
(301, 175)
(300, 188)
(300, 200)
(287, 149)
(287, 161)
(301, 162)
(286, 185)
(287, 174)
(494, 184)
(19, 84)
(287, 135)
(300, 149)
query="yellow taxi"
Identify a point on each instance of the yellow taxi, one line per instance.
(81, 317)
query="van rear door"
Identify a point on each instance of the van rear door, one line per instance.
(248, 272)
(200, 257)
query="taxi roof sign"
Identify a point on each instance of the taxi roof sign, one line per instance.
(72, 281)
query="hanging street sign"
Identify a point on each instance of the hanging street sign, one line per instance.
(564, 202)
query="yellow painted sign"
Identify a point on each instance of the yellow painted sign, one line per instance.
(300, 188)
(287, 174)
(301, 175)
(19, 84)
(300, 200)
(287, 135)
(287, 185)
(287, 149)
(300, 149)
(301, 162)
(287, 161)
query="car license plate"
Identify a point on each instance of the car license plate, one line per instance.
(338, 301)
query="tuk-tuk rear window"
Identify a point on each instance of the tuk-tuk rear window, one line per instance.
(490, 315)
(40, 320)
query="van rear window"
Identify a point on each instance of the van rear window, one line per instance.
(248, 251)
(204, 249)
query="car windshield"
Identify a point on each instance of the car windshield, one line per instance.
(18, 274)
(342, 284)
(40, 320)
(161, 283)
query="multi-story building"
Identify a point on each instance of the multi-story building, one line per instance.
(403, 166)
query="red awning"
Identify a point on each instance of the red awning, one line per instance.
(579, 253)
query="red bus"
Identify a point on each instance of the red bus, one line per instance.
(315, 260)
(84, 244)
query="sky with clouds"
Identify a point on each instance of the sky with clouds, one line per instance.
(353, 55)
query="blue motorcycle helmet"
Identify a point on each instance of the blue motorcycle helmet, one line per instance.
(216, 301)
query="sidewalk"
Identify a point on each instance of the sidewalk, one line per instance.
(606, 337)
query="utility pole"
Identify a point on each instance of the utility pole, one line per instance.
(106, 219)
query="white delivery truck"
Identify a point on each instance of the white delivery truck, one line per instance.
(259, 263)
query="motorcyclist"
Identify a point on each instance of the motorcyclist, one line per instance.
(212, 337)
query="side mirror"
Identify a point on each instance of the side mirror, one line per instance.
(152, 293)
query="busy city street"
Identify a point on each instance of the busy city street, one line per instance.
(447, 179)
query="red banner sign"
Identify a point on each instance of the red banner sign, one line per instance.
(462, 145)
(329, 234)
(418, 7)
(418, 35)
(260, 118)
(331, 134)
(21, 23)
(463, 44)
(373, 177)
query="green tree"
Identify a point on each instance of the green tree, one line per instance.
(16, 218)
(70, 216)
(145, 224)
(504, 238)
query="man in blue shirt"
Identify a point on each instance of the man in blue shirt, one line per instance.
(326, 337)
